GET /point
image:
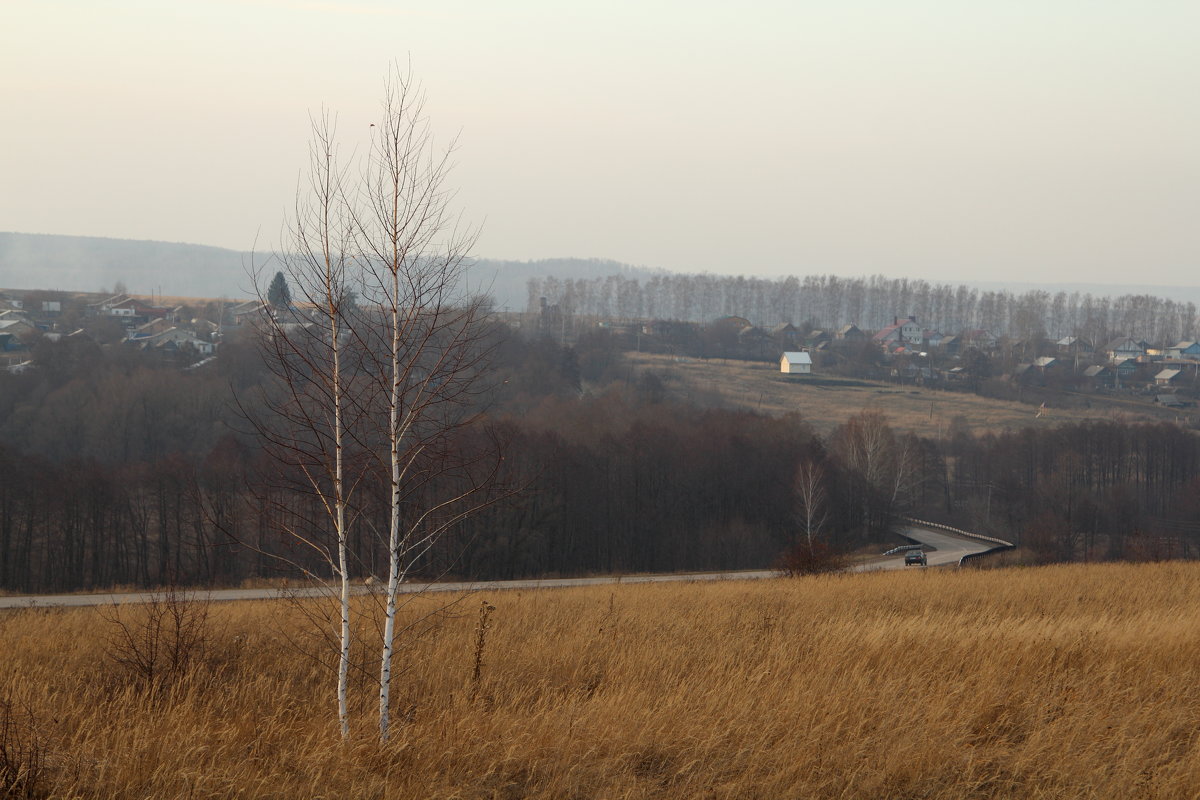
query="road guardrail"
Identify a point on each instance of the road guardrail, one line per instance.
(999, 544)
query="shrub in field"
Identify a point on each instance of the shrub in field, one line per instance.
(803, 559)
(23, 772)
(158, 641)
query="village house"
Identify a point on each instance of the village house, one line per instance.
(150, 328)
(1186, 350)
(754, 339)
(173, 339)
(785, 335)
(851, 333)
(1124, 347)
(241, 314)
(958, 375)
(18, 329)
(978, 338)
(1126, 369)
(818, 339)
(1171, 401)
(899, 332)
(1099, 376)
(1047, 364)
(1073, 345)
(793, 363)
(1167, 377)
(1026, 375)
(129, 310)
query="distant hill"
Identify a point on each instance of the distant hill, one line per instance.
(88, 263)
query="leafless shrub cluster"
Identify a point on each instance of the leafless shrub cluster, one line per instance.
(24, 773)
(158, 641)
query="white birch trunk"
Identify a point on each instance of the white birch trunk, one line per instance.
(394, 554)
(333, 300)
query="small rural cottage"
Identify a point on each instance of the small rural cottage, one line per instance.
(796, 364)
(1167, 377)
(1187, 350)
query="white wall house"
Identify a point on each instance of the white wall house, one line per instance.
(796, 364)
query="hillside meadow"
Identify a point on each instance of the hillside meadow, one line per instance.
(828, 401)
(1066, 681)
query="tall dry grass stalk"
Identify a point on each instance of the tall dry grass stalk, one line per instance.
(1074, 681)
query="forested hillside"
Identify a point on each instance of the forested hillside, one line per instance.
(120, 468)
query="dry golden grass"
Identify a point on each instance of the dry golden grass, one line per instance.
(826, 402)
(1074, 681)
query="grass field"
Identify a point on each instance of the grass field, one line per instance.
(1030, 683)
(826, 401)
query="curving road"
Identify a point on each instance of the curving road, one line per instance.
(942, 548)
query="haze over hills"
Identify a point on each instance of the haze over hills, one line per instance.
(85, 263)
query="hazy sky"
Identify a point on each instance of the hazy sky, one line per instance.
(1043, 140)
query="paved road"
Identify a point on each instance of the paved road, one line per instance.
(941, 548)
(63, 600)
(949, 549)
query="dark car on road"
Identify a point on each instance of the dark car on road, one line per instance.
(915, 557)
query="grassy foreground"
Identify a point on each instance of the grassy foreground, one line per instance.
(1074, 681)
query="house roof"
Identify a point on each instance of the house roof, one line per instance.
(797, 358)
(1045, 361)
(1125, 343)
(1169, 400)
(884, 333)
(1167, 374)
(1092, 372)
(110, 301)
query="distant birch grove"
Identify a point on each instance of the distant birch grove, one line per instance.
(829, 301)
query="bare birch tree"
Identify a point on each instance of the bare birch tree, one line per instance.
(429, 345)
(307, 427)
(810, 499)
(382, 372)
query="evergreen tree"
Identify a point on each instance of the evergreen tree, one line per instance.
(278, 294)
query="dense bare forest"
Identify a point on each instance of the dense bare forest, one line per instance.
(119, 468)
(830, 301)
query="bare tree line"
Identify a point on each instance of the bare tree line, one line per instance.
(829, 301)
